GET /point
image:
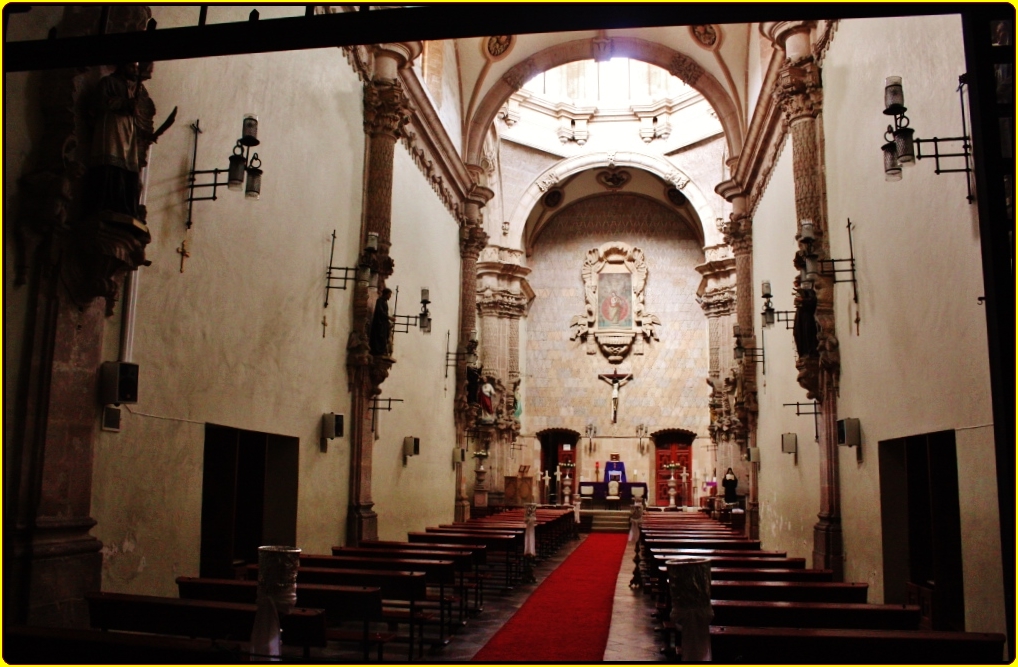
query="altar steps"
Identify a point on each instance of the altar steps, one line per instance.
(608, 521)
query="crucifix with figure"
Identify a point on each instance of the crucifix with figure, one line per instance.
(616, 380)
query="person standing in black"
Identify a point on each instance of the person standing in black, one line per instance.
(730, 482)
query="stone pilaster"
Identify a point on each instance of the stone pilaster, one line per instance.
(799, 93)
(502, 298)
(386, 113)
(472, 240)
(738, 233)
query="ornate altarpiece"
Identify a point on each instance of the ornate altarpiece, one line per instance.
(614, 280)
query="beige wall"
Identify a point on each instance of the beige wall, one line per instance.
(918, 361)
(918, 364)
(789, 485)
(560, 379)
(426, 251)
(236, 338)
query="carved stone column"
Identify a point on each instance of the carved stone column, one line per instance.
(386, 112)
(800, 95)
(738, 233)
(65, 261)
(472, 240)
(502, 298)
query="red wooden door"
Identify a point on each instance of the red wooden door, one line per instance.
(669, 453)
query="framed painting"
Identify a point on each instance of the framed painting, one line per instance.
(615, 301)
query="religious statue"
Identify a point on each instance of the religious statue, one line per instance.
(121, 138)
(616, 380)
(804, 328)
(517, 402)
(486, 399)
(381, 325)
(473, 372)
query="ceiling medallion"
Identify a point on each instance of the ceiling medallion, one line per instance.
(498, 46)
(706, 34)
(613, 179)
(614, 277)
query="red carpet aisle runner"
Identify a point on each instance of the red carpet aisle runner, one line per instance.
(567, 618)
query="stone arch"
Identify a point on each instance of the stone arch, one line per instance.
(522, 232)
(677, 63)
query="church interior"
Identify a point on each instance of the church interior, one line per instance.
(327, 278)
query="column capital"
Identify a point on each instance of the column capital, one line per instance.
(386, 108)
(799, 91)
(738, 233)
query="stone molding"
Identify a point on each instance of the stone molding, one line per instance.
(386, 108)
(501, 303)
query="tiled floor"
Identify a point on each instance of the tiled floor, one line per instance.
(630, 638)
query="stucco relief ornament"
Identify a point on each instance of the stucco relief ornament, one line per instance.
(615, 320)
(705, 34)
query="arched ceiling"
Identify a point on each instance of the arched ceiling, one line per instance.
(713, 59)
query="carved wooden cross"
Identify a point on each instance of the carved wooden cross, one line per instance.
(184, 254)
(616, 380)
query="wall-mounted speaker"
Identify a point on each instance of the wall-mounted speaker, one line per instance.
(332, 425)
(849, 433)
(118, 382)
(754, 454)
(411, 446)
(111, 418)
(789, 443)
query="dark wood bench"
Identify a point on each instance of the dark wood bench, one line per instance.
(509, 545)
(23, 644)
(199, 618)
(822, 645)
(441, 573)
(463, 562)
(769, 574)
(478, 555)
(789, 591)
(855, 616)
(358, 604)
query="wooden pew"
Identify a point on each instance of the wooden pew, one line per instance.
(360, 604)
(789, 591)
(23, 644)
(769, 574)
(199, 618)
(823, 645)
(463, 563)
(478, 554)
(436, 572)
(410, 587)
(509, 545)
(855, 616)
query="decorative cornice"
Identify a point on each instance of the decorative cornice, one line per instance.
(501, 303)
(718, 301)
(432, 150)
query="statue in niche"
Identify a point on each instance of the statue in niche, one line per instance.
(804, 326)
(473, 373)
(381, 326)
(121, 137)
(486, 399)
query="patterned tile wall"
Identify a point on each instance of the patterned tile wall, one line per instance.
(668, 389)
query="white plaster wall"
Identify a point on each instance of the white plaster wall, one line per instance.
(919, 361)
(236, 338)
(789, 485)
(426, 252)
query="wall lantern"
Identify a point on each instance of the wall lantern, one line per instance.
(591, 431)
(902, 148)
(769, 315)
(642, 431)
(244, 172)
(422, 320)
(336, 277)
